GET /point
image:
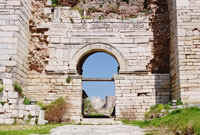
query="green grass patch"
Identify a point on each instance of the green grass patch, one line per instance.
(184, 121)
(96, 114)
(26, 130)
(139, 123)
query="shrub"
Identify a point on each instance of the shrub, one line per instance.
(1, 85)
(157, 111)
(2, 103)
(179, 102)
(27, 101)
(18, 89)
(69, 79)
(88, 108)
(1, 89)
(54, 3)
(42, 105)
(56, 110)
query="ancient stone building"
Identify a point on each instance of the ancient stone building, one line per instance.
(43, 48)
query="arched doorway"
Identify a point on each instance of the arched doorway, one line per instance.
(98, 70)
(87, 51)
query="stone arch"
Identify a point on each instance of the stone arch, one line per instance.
(81, 55)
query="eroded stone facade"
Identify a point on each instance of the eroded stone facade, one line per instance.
(42, 55)
(184, 58)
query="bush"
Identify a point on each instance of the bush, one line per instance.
(27, 101)
(68, 79)
(179, 102)
(56, 110)
(88, 108)
(1, 85)
(1, 89)
(18, 89)
(157, 111)
(54, 3)
(42, 105)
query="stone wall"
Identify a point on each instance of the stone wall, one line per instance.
(14, 34)
(185, 50)
(136, 93)
(14, 40)
(72, 39)
(48, 87)
(44, 51)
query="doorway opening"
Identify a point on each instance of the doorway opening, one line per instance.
(98, 70)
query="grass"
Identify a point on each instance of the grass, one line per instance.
(182, 121)
(26, 129)
(96, 115)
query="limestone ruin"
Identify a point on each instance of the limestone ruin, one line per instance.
(158, 52)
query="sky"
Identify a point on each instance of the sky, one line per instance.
(99, 65)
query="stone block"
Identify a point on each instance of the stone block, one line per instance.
(41, 120)
(1, 121)
(1, 110)
(9, 121)
(14, 113)
(32, 122)
(12, 101)
(6, 107)
(12, 95)
(33, 113)
(21, 114)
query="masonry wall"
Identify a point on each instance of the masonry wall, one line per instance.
(14, 40)
(185, 48)
(48, 87)
(71, 40)
(14, 34)
(136, 93)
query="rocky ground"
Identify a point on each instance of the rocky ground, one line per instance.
(97, 130)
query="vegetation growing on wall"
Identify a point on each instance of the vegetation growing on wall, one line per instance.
(68, 79)
(27, 101)
(1, 86)
(107, 9)
(55, 111)
(1, 89)
(18, 89)
(157, 10)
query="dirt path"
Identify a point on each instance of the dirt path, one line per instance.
(97, 130)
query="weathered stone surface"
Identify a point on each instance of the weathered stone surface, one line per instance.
(46, 46)
(41, 120)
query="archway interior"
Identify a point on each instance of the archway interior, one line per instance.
(100, 93)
